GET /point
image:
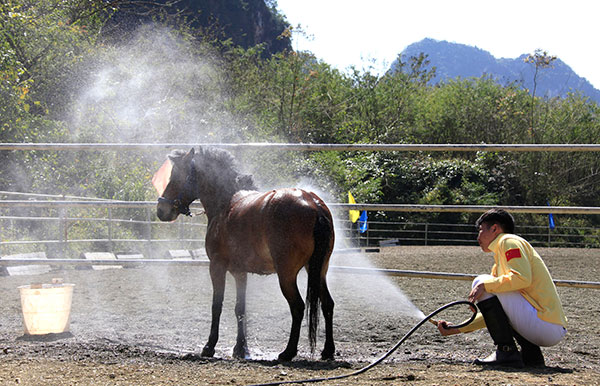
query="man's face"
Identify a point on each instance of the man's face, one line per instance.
(487, 234)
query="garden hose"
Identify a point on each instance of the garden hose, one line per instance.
(387, 354)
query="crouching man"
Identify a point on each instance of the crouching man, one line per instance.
(518, 301)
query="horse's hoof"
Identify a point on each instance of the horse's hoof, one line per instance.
(241, 352)
(207, 352)
(286, 356)
(327, 355)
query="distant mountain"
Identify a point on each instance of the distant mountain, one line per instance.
(453, 60)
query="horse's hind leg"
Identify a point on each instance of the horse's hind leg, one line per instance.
(217, 276)
(241, 348)
(327, 308)
(289, 288)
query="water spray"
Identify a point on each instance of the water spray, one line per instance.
(390, 351)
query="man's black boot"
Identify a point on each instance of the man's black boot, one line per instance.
(498, 326)
(531, 353)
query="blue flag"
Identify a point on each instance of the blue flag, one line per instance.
(362, 222)
(551, 224)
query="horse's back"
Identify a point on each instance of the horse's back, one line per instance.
(271, 231)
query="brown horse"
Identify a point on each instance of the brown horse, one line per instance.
(278, 231)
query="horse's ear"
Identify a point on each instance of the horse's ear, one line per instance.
(189, 156)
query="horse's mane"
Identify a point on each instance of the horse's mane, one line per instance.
(222, 162)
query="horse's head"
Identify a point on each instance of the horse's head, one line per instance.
(180, 190)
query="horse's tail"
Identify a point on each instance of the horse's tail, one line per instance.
(322, 233)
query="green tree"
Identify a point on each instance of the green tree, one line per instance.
(471, 111)
(540, 60)
(42, 42)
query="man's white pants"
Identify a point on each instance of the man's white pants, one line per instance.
(524, 319)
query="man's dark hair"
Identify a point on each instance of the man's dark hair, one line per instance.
(497, 216)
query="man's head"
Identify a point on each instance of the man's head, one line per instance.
(491, 224)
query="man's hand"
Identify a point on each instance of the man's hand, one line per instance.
(476, 292)
(445, 330)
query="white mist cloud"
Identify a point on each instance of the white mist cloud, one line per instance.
(154, 88)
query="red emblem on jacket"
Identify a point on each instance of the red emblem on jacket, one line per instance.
(513, 254)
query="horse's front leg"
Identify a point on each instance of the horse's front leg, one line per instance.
(241, 347)
(217, 276)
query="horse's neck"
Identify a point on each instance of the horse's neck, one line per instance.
(216, 203)
(212, 211)
(216, 187)
(222, 207)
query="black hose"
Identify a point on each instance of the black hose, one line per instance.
(387, 354)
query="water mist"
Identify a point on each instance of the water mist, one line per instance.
(156, 88)
(376, 291)
(374, 301)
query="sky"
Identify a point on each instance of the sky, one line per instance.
(369, 34)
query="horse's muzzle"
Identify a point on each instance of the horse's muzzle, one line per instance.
(168, 210)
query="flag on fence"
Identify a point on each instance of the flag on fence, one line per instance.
(362, 222)
(551, 224)
(354, 214)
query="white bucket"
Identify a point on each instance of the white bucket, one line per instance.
(46, 308)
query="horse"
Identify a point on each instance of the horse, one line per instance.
(278, 231)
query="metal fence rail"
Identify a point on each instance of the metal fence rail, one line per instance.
(342, 206)
(423, 233)
(68, 227)
(147, 233)
(303, 147)
(343, 269)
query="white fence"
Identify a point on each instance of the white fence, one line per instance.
(132, 225)
(305, 146)
(387, 233)
(69, 227)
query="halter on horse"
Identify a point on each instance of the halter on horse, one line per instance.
(279, 231)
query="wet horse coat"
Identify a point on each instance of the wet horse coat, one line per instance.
(279, 231)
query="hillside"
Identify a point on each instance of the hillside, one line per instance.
(246, 22)
(453, 60)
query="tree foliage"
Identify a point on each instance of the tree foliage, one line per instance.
(60, 82)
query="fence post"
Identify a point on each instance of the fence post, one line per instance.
(148, 248)
(426, 232)
(110, 241)
(148, 225)
(180, 230)
(62, 230)
(1, 239)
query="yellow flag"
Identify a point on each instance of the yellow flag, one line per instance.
(354, 214)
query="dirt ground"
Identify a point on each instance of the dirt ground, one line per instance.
(147, 325)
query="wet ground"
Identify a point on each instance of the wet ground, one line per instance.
(147, 325)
